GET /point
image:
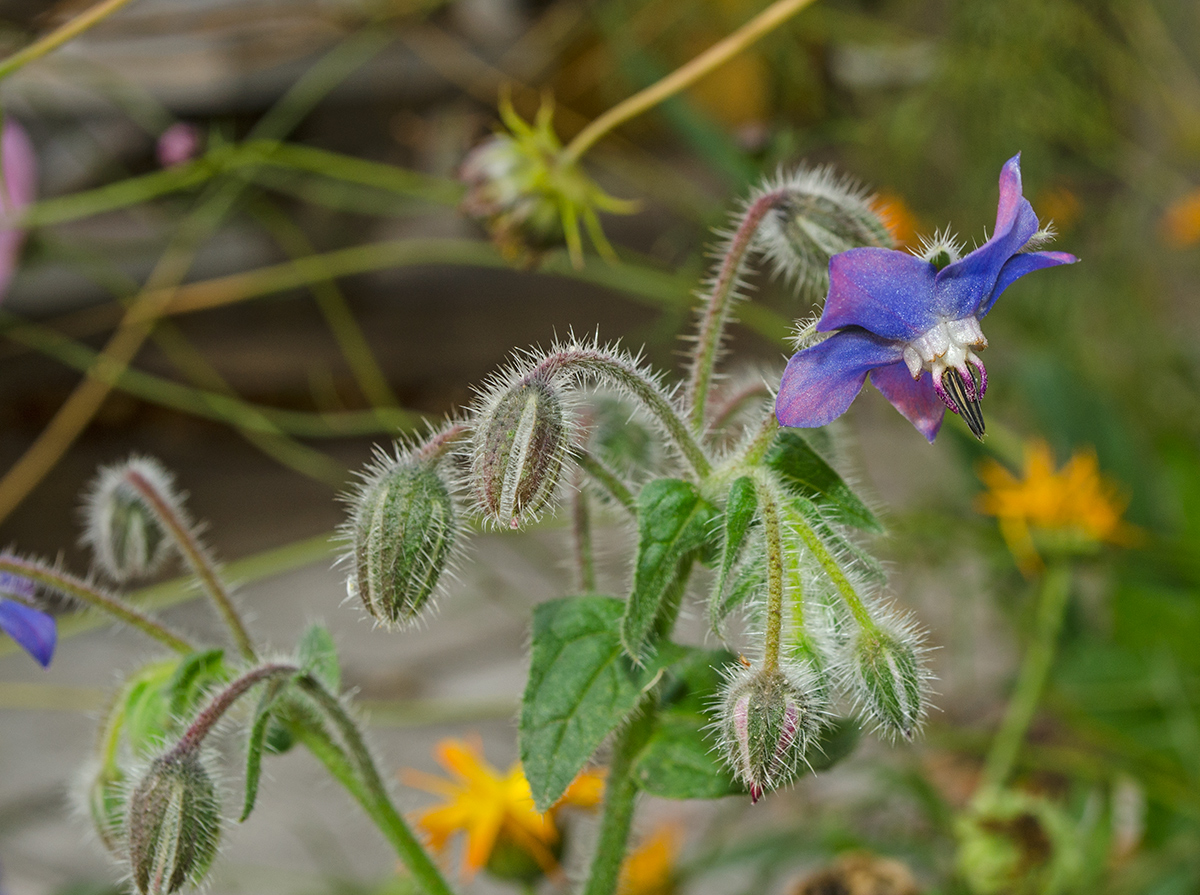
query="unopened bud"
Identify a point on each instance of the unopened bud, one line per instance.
(820, 215)
(402, 533)
(126, 538)
(767, 723)
(520, 442)
(173, 825)
(890, 680)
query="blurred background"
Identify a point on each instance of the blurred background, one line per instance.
(268, 382)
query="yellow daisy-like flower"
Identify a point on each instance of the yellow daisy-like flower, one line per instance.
(1074, 507)
(494, 810)
(649, 868)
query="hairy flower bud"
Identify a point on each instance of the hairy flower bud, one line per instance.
(821, 215)
(126, 538)
(520, 441)
(402, 534)
(173, 824)
(767, 723)
(889, 679)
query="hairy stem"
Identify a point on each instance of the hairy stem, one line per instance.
(378, 802)
(769, 508)
(614, 369)
(680, 79)
(208, 716)
(197, 557)
(831, 568)
(90, 595)
(620, 797)
(605, 478)
(1035, 668)
(715, 315)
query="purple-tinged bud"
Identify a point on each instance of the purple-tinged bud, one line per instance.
(521, 439)
(820, 215)
(173, 824)
(889, 679)
(402, 534)
(767, 723)
(126, 538)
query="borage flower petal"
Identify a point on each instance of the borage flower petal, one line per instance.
(33, 630)
(888, 306)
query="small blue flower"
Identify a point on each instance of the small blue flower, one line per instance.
(33, 630)
(906, 323)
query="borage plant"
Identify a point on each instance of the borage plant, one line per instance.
(706, 478)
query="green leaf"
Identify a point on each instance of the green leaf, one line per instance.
(678, 762)
(257, 740)
(316, 654)
(739, 513)
(581, 687)
(673, 521)
(196, 672)
(751, 579)
(835, 742)
(806, 474)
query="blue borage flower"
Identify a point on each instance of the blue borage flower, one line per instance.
(908, 324)
(33, 630)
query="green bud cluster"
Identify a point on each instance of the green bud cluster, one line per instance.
(768, 719)
(125, 536)
(173, 824)
(402, 534)
(520, 442)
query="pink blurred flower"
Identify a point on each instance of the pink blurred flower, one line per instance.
(16, 192)
(178, 144)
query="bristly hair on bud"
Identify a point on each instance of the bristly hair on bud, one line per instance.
(172, 825)
(824, 214)
(402, 534)
(885, 671)
(941, 249)
(522, 431)
(768, 718)
(126, 538)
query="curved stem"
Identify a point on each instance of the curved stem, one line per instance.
(90, 595)
(1035, 668)
(716, 313)
(436, 446)
(718, 54)
(374, 797)
(59, 36)
(831, 568)
(757, 449)
(620, 797)
(185, 537)
(733, 403)
(208, 716)
(620, 372)
(606, 478)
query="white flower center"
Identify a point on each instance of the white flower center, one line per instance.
(948, 343)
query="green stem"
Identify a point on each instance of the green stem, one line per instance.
(184, 535)
(59, 36)
(831, 568)
(620, 797)
(1035, 668)
(606, 478)
(757, 449)
(90, 595)
(378, 802)
(769, 508)
(680, 79)
(720, 299)
(581, 528)
(618, 371)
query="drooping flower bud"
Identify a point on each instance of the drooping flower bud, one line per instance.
(402, 534)
(767, 723)
(126, 538)
(173, 824)
(520, 442)
(821, 215)
(889, 679)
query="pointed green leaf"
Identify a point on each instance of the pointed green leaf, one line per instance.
(673, 521)
(196, 672)
(739, 513)
(257, 740)
(749, 580)
(316, 654)
(581, 687)
(806, 474)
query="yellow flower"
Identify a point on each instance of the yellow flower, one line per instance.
(897, 217)
(648, 869)
(1181, 221)
(1073, 507)
(494, 810)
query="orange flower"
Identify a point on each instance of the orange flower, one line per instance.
(897, 217)
(1181, 221)
(494, 810)
(1075, 505)
(648, 869)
